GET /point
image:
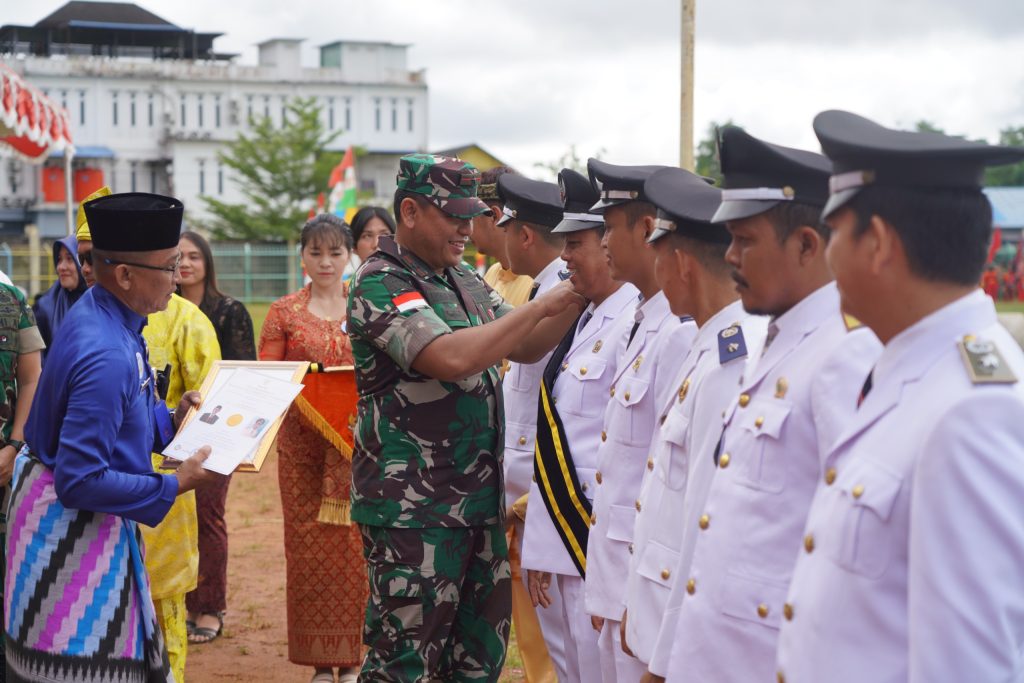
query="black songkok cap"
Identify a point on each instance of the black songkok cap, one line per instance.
(578, 195)
(134, 221)
(759, 175)
(530, 201)
(618, 184)
(686, 206)
(865, 153)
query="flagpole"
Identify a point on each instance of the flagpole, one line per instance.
(689, 11)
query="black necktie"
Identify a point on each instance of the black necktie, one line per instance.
(533, 291)
(632, 332)
(866, 389)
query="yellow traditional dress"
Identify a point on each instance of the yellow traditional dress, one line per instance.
(183, 337)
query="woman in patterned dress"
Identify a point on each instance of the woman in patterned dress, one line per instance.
(326, 576)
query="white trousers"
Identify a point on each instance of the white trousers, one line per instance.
(616, 665)
(582, 660)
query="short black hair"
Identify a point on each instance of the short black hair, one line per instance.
(328, 228)
(367, 214)
(945, 232)
(788, 217)
(710, 255)
(552, 239)
(401, 195)
(639, 209)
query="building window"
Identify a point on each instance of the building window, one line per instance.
(183, 104)
(64, 98)
(202, 177)
(376, 113)
(134, 177)
(113, 110)
(409, 112)
(248, 107)
(220, 179)
(284, 112)
(149, 109)
(266, 106)
(348, 113)
(199, 107)
(152, 179)
(131, 111)
(330, 113)
(394, 114)
(216, 111)
(81, 107)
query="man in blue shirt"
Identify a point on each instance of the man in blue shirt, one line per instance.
(79, 605)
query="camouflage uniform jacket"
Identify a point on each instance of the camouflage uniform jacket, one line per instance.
(428, 453)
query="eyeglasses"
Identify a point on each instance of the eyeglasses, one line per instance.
(167, 269)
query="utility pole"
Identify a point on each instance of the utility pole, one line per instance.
(686, 85)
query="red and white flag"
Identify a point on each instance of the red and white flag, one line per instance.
(409, 301)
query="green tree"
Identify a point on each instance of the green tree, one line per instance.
(924, 126)
(280, 172)
(1012, 174)
(707, 162)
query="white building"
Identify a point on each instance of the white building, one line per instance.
(151, 104)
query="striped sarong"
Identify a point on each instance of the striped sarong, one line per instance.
(77, 604)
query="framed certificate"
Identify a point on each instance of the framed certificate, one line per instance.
(248, 426)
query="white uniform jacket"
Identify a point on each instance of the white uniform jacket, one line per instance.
(792, 402)
(690, 422)
(645, 369)
(520, 387)
(580, 394)
(911, 564)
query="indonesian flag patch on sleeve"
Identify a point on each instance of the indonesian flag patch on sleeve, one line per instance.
(409, 301)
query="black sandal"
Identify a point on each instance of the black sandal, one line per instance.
(207, 635)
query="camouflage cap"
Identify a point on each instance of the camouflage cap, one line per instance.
(449, 183)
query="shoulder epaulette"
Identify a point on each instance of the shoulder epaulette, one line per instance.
(851, 323)
(731, 344)
(985, 365)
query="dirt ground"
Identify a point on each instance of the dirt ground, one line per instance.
(254, 646)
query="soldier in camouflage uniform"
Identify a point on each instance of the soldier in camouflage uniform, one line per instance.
(427, 335)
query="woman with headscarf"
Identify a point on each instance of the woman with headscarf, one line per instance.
(70, 285)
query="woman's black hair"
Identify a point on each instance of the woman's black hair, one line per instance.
(210, 290)
(328, 229)
(365, 215)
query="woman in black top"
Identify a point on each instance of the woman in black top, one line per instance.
(207, 603)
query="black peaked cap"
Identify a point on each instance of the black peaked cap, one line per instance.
(758, 175)
(686, 205)
(531, 201)
(866, 153)
(134, 221)
(578, 195)
(618, 184)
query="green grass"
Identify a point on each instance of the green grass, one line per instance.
(1010, 306)
(259, 314)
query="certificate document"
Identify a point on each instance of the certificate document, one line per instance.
(233, 418)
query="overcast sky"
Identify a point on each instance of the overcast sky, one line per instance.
(526, 79)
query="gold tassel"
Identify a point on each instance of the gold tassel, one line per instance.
(335, 511)
(322, 426)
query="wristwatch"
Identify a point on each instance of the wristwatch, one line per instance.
(17, 443)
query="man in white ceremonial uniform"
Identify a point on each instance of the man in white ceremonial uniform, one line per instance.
(691, 270)
(574, 393)
(654, 344)
(911, 567)
(796, 392)
(530, 211)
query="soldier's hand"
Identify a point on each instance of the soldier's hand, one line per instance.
(559, 298)
(648, 677)
(597, 623)
(539, 583)
(188, 400)
(191, 474)
(622, 634)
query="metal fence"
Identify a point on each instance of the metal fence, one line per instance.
(249, 272)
